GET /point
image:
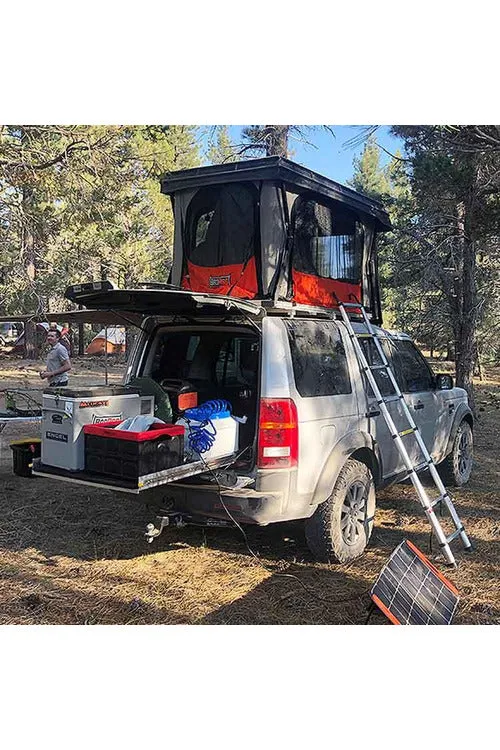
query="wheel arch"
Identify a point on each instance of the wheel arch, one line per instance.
(357, 445)
(463, 414)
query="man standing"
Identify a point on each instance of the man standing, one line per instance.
(58, 364)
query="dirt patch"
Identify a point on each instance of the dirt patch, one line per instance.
(72, 556)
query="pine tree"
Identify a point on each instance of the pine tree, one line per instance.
(223, 150)
(456, 226)
(369, 177)
(81, 203)
(267, 140)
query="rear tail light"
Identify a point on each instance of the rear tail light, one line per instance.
(278, 434)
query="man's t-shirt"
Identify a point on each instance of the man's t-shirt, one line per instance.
(56, 357)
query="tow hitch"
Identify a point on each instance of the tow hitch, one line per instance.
(177, 520)
(153, 531)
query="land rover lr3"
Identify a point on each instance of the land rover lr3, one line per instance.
(263, 252)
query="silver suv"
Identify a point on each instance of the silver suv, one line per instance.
(315, 445)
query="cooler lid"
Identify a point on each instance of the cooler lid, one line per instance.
(92, 391)
(156, 301)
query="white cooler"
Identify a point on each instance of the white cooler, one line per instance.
(66, 410)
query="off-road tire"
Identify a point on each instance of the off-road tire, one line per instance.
(456, 468)
(333, 534)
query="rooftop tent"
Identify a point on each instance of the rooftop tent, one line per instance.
(271, 229)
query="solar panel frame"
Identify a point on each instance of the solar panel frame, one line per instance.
(410, 590)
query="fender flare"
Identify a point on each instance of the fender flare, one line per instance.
(463, 412)
(344, 449)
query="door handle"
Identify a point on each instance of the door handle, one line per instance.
(419, 406)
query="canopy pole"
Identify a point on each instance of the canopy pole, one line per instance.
(106, 355)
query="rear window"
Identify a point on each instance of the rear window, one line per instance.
(318, 358)
(205, 357)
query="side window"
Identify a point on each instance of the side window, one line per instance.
(318, 358)
(382, 379)
(416, 374)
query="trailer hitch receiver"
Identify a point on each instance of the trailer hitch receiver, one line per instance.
(152, 530)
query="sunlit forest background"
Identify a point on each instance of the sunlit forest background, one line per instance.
(81, 203)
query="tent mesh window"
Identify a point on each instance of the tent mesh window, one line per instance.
(327, 241)
(222, 226)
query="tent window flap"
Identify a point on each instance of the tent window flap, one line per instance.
(220, 240)
(327, 252)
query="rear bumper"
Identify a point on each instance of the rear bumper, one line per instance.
(274, 501)
(244, 506)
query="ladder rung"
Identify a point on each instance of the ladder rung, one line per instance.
(377, 367)
(350, 304)
(421, 467)
(437, 500)
(390, 399)
(365, 335)
(454, 535)
(403, 433)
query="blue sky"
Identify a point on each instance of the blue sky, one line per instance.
(330, 155)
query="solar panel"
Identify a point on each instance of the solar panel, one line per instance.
(411, 591)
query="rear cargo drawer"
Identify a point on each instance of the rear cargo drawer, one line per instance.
(131, 486)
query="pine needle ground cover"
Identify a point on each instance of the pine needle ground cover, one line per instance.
(72, 555)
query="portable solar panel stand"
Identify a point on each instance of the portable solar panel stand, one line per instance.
(411, 591)
(408, 431)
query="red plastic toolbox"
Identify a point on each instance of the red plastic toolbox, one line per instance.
(121, 453)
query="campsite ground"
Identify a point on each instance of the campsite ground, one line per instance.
(72, 555)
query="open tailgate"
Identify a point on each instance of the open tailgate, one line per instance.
(158, 300)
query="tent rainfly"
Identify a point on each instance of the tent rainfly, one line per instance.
(271, 229)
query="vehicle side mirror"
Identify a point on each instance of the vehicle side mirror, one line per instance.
(444, 382)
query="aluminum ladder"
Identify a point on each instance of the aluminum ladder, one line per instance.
(397, 435)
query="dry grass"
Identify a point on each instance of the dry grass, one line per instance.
(72, 556)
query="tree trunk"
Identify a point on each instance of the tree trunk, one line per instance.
(465, 335)
(27, 237)
(81, 342)
(277, 140)
(30, 348)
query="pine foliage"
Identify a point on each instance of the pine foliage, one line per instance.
(80, 203)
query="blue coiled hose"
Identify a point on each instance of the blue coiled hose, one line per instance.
(202, 436)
